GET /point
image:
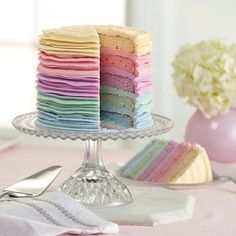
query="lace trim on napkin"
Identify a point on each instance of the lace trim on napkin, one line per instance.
(49, 218)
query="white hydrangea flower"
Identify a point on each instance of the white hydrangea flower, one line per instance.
(205, 73)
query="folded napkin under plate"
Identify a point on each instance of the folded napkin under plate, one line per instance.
(52, 214)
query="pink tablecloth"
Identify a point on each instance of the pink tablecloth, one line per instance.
(215, 212)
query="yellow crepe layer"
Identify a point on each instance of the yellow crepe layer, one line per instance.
(125, 38)
(86, 40)
(195, 169)
(85, 33)
(71, 40)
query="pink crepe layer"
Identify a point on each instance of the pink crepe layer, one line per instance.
(126, 84)
(70, 65)
(164, 155)
(132, 56)
(162, 172)
(68, 80)
(103, 50)
(58, 72)
(122, 73)
(111, 61)
(73, 63)
(66, 58)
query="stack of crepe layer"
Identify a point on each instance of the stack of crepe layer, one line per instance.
(165, 161)
(68, 79)
(74, 61)
(126, 83)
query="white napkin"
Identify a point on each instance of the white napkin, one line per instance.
(52, 214)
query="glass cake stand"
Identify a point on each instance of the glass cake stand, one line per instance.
(92, 184)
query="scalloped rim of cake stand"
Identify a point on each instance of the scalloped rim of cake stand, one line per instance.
(26, 123)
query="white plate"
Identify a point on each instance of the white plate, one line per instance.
(216, 180)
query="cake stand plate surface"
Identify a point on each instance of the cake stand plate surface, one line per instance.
(92, 184)
(151, 206)
(26, 123)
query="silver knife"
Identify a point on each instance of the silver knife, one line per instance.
(33, 185)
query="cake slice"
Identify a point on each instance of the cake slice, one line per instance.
(165, 161)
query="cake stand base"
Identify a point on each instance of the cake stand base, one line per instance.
(92, 184)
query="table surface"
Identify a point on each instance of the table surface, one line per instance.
(215, 211)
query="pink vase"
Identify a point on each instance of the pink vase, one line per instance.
(217, 135)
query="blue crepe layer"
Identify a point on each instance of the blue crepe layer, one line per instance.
(110, 119)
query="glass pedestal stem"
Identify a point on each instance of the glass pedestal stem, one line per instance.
(92, 184)
(93, 155)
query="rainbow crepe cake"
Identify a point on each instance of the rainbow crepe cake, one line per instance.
(165, 161)
(94, 76)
